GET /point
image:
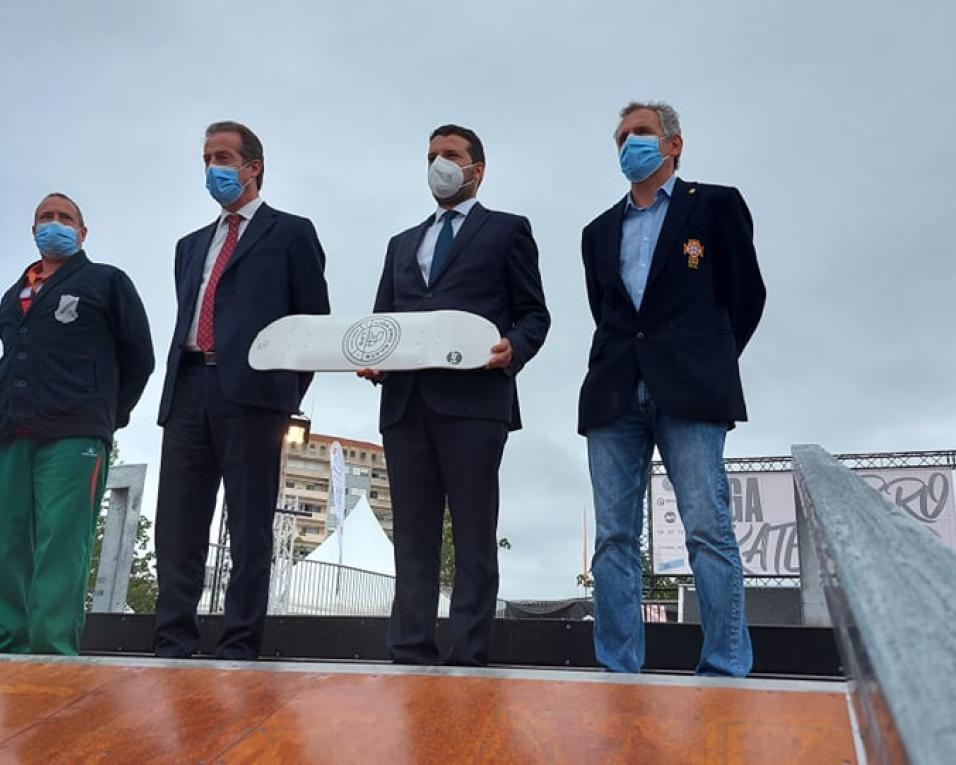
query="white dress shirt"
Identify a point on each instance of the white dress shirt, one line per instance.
(245, 212)
(426, 250)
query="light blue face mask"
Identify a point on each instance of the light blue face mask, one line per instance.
(641, 157)
(54, 240)
(222, 182)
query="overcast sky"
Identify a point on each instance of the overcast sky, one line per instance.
(835, 119)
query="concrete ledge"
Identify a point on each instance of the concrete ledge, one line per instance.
(890, 588)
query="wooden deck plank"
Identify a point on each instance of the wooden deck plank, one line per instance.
(32, 692)
(156, 716)
(446, 719)
(143, 714)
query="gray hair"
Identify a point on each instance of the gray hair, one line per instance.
(670, 122)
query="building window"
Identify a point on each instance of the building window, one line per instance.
(373, 494)
(290, 484)
(362, 456)
(374, 456)
(311, 487)
(322, 447)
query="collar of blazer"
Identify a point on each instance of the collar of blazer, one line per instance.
(72, 265)
(257, 227)
(683, 199)
(475, 219)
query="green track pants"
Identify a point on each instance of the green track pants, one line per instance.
(50, 494)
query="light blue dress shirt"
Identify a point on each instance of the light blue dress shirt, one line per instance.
(639, 234)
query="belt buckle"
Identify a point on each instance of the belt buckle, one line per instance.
(209, 358)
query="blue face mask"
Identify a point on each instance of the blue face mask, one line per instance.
(641, 157)
(56, 240)
(223, 184)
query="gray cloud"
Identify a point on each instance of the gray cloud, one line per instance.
(835, 121)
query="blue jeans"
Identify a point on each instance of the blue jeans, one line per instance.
(619, 456)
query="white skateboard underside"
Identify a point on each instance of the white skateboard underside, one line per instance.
(384, 341)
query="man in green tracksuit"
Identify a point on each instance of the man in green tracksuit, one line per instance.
(75, 356)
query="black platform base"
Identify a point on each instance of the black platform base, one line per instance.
(796, 651)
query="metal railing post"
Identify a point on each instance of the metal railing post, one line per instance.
(125, 484)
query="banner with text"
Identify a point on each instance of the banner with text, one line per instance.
(765, 516)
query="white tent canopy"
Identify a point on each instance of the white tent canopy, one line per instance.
(364, 544)
(366, 584)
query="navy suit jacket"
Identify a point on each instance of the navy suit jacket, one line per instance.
(696, 317)
(492, 271)
(277, 269)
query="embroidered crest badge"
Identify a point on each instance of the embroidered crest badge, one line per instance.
(694, 251)
(67, 312)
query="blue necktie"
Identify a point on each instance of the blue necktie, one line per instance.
(446, 238)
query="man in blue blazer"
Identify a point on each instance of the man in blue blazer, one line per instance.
(223, 421)
(675, 291)
(444, 431)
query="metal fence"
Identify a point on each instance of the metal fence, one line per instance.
(312, 588)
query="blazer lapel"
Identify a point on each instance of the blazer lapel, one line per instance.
(682, 201)
(410, 256)
(473, 221)
(193, 268)
(611, 249)
(261, 222)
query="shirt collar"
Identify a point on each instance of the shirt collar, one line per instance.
(245, 212)
(32, 275)
(667, 188)
(462, 208)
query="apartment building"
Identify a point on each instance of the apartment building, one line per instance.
(305, 483)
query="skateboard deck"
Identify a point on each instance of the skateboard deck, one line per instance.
(383, 341)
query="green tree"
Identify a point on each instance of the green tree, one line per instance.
(141, 594)
(447, 572)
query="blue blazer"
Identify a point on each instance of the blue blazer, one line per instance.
(277, 269)
(492, 271)
(703, 300)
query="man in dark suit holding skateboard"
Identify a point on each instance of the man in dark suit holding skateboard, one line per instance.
(675, 291)
(444, 431)
(222, 420)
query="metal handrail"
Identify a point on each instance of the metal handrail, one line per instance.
(888, 586)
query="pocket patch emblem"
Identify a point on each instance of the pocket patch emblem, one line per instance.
(67, 312)
(694, 251)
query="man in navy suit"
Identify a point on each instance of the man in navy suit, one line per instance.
(675, 291)
(444, 431)
(223, 421)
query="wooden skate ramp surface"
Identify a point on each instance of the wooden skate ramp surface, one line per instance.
(152, 711)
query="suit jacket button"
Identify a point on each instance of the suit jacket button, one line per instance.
(428, 294)
(640, 335)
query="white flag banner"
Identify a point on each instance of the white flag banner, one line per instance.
(337, 463)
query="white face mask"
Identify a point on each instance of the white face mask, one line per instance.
(445, 178)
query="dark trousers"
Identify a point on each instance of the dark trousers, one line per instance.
(206, 440)
(430, 457)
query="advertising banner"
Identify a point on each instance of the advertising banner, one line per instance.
(764, 514)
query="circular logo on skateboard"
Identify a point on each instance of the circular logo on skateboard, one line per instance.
(371, 341)
(454, 358)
